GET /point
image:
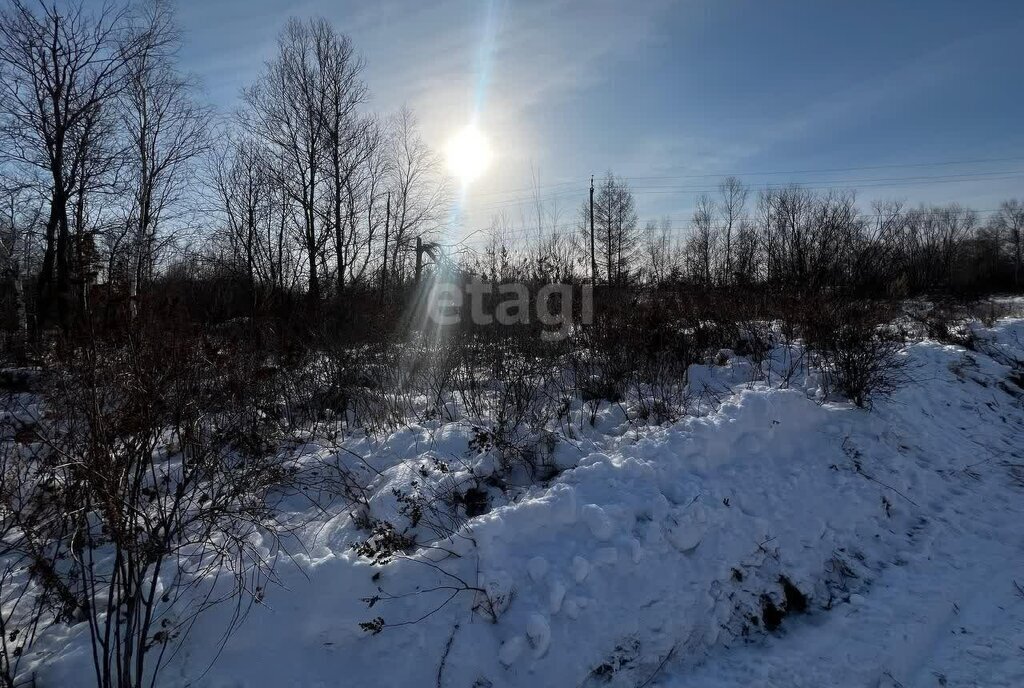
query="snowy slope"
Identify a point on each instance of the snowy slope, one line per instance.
(948, 610)
(660, 556)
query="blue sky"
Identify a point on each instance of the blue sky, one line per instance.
(662, 92)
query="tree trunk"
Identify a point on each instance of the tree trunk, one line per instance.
(45, 282)
(20, 317)
(314, 280)
(387, 228)
(1017, 256)
(609, 249)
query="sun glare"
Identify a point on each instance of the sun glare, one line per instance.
(468, 154)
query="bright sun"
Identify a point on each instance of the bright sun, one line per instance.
(468, 154)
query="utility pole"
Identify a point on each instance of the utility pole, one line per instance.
(593, 253)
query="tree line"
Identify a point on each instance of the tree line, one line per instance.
(788, 239)
(116, 178)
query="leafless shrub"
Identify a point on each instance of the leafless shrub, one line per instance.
(150, 492)
(948, 322)
(860, 358)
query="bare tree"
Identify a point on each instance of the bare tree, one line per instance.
(284, 110)
(745, 253)
(420, 194)
(732, 207)
(61, 66)
(616, 228)
(1009, 221)
(876, 260)
(660, 250)
(938, 235)
(551, 251)
(348, 138)
(702, 242)
(377, 172)
(243, 183)
(23, 210)
(362, 191)
(166, 132)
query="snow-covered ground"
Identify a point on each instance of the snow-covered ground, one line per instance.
(775, 539)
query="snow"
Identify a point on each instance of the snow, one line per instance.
(537, 568)
(947, 612)
(654, 556)
(580, 568)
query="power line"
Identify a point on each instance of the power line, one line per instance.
(822, 184)
(722, 175)
(842, 169)
(864, 183)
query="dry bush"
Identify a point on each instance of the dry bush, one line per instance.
(149, 490)
(860, 356)
(666, 347)
(948, 322)
(512, 387)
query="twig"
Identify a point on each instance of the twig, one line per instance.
(660, 666)
(888, 487)
(444, 657)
